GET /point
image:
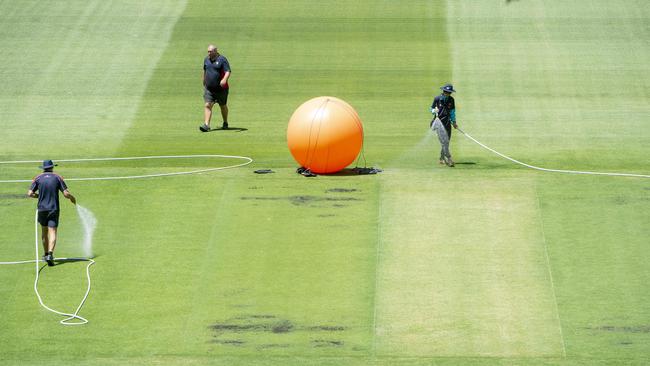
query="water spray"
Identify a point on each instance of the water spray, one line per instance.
(89, 223)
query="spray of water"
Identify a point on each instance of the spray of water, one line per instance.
(420, 150)
(89, 223)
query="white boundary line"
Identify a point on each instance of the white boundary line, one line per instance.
(248, 161)
(551, 170)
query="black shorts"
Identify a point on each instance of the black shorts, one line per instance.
(48, 218)
(219, 96)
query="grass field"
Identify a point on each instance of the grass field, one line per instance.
(488, 263)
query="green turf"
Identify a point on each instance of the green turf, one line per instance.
(487, 263)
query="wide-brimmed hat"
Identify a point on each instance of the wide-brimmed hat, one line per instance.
(47, 164)
(448, 88)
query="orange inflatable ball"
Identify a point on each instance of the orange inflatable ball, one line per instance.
(325, 135)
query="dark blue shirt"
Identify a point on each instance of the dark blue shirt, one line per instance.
(446, 108)
(214, 72)
(48, 185)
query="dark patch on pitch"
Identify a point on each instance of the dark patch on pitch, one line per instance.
(255, 316)
(254, 323)
(229, 342)
(273, 345)
(624, 329)
(283, 326)
(623, 200)
(12, 196)
(226, 332)
(341, 190)
(301, 200)
(305, 200)
(326, 328)
(318, 343)
(9, 199)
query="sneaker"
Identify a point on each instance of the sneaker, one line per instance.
(441, 162)
(49, 258)
(225, 125)
(450, 163)
(204, 128)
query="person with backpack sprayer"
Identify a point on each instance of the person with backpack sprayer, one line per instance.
(443, 109)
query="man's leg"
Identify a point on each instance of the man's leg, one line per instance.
(444, 140)
(208, 113)
(45, 239)
(51, 243)
(224, 114)
(450, 162)
(51, 232)
(222, 99)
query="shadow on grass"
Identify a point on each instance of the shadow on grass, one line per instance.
(235, 129)
(62, 261)
(347, 172)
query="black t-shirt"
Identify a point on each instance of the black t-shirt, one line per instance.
(446, 108)
(214, 72)
(48, 185)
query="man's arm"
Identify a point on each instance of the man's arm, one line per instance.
(452, 117)
(224, 80)
(69, 196)
(32, 189)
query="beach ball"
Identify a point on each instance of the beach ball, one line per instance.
(325, 135)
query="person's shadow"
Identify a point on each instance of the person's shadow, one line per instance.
(58, 262)
(235, 129)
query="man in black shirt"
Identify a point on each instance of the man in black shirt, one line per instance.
(216, 71)
(46, 187)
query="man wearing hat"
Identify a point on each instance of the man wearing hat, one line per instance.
(444, 117)
(46, 187)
